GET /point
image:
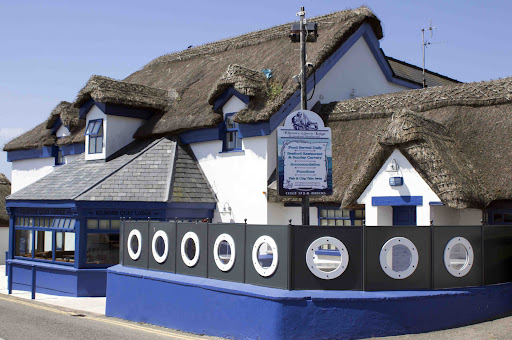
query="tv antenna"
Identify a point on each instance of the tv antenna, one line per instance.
(425, 44)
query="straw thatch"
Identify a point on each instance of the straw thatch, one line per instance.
(434, 154)
(34, 139)
(5, 190)
(67, 114)
(193, 71)
(248, 82)
(107, 90)
(457, 138)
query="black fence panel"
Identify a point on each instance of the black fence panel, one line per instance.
(279, 277)
(497, 254)
(442, 236)
(192, 248)
(377, 279)
(135, 250)
(303, 277)
(233, 271)
(165, 257)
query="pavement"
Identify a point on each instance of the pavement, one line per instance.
(94, 305)
(496, 329)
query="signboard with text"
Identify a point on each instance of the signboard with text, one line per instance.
(304, 155)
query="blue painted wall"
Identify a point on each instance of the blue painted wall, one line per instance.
(58, 280)
(241, 311)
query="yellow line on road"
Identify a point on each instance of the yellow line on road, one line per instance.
(34, 305)
(105, 320)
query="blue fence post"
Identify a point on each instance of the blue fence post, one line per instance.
(9, 280)
(33, 282)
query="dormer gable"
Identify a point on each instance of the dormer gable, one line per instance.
(113, 111)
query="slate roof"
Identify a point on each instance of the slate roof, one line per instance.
(413, 73)
(140, 172)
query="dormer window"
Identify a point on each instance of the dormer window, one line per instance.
(95, 132)
(232, 140)
(59, 159)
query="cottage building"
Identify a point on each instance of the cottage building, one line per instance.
(192, 136)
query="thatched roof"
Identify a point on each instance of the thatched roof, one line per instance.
(248, 82)
(67, 114)
(191, 73)
(5, 190)
(458, 139)
(107, 90)
(34, 139)
(42, 135)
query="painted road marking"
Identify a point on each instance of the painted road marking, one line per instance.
(113, 322)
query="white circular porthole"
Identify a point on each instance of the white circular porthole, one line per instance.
(190, 249)
(224, 252)
(134, 244)
(458, 256)
(265, 256)
(160, 246)
(327, 258)
(399, 258)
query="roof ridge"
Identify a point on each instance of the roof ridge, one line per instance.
(142, 152)
(247, 39)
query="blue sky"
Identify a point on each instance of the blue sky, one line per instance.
(49, 49)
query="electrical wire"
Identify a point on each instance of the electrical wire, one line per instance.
(314, 83)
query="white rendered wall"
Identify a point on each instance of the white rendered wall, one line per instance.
(4, 243)
(70, 158)
(356, 74)
(95, 113)
(119, 132)
(238, 178)
(233, 105)
(280, 215)
(62, 132)
(413, 185)
(444, 215)
(27, 171)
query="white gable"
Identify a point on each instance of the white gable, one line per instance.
(62, 132)
(413, 185)
(356, 74)
(234, 104)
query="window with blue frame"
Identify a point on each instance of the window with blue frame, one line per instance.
(59, 158)
(94, 132)
(103, 241)
(49, 239)
(500, 217)
(232, 140)
(333, 216)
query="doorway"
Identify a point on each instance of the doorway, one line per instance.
(404, 215)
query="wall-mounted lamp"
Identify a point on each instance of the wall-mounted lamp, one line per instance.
(311, 32)
(393, 166)
(226, 209)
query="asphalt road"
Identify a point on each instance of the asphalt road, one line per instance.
(21, 319)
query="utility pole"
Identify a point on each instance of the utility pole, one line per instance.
(303, 96)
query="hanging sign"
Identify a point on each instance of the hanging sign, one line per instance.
(304, 155)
